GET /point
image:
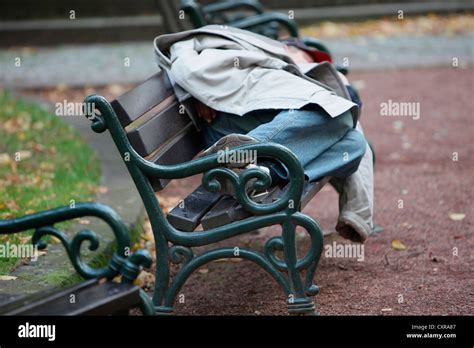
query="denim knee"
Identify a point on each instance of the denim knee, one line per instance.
(355, 152)
(360, 145)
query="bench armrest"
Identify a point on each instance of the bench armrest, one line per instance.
(209, 165)
(267, 18)
(43, 224)
(213, 169)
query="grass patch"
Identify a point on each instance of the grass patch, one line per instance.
(44, 163)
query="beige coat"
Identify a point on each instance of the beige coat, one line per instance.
(220, 66)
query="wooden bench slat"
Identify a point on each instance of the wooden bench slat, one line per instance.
(162, 127)
(182, 148)
(142, 98)
(25, 301)
(187, 216)
(228, 210)
(91, 298)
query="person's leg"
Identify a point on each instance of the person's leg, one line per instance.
(225, 124)
(356, 199)
(324, 145)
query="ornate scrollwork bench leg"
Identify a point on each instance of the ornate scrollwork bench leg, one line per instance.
(293, 274)
(172, 245)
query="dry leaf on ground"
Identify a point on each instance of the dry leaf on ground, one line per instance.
(398, 245)
(8, 277)
(457, 216)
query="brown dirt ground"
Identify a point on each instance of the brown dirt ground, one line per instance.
(414, 163)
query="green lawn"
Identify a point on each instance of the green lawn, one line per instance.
(44, 163)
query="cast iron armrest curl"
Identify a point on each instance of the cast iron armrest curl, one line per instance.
(43, 224)
(121, 262)
(252, 5)
(209, 165)
(142, 170)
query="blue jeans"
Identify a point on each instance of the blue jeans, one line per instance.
(324, 145)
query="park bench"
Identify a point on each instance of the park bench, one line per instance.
(98, 295)
(158, 141)
(224, 12)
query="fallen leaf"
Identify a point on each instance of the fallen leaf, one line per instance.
(398, 245)
(144, 280)
(46, 166)
(102, 189)
(457, 216)
(8, 277)
(203, 270)
(226, 259)
(23, 154)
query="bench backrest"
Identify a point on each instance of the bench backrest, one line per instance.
(157, 125)
(171, 15)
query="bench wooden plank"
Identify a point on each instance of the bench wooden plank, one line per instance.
(162, 127)
(187, 216)
(91, 298)
(229, 210)
(142, 98)
(182, 148)
(214, 210)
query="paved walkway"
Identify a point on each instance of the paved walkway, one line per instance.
(119, 193)
(131, 62)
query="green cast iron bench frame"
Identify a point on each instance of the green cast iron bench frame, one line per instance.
(253, 18)
(92, 296)
(158, 142)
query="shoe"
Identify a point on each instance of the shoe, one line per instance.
(226, 143)
(352, 227)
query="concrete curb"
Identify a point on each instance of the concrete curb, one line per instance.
(54, 268)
